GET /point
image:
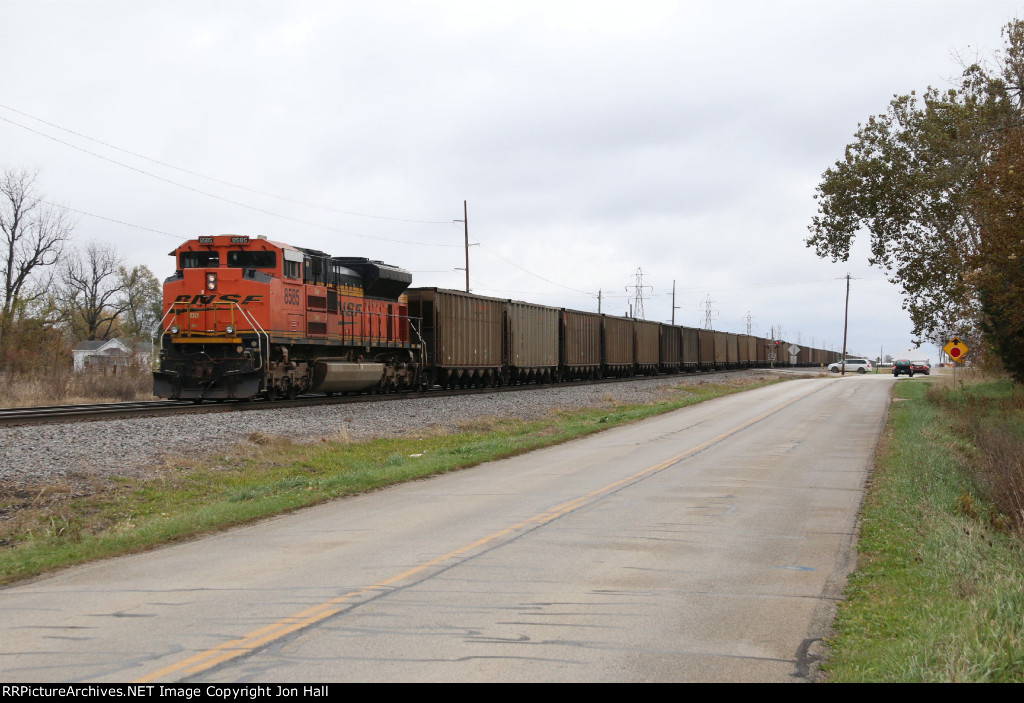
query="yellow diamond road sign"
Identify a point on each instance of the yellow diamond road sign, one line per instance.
(955, 349)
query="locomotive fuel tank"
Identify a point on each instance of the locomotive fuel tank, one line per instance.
(342, 376)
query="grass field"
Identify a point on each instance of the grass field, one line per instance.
(938, 594)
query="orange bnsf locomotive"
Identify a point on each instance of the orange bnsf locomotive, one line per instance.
(247, 317)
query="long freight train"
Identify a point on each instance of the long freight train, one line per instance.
(247, 317)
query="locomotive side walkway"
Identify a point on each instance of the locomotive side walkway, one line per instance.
(706, 544)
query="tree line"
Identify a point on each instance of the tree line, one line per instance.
(936, 183)
(54, 295)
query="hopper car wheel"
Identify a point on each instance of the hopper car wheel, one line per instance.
(292, 392)
(270, 394)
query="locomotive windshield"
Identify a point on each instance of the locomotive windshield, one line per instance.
(198, 259)
(252, 259)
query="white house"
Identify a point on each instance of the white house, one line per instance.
(109, 355)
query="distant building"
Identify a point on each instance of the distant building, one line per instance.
(111, 355)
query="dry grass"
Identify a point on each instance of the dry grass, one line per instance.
(62, 386)
(483, 423)
(990, 417)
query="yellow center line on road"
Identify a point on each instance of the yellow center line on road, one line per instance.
(264, 635)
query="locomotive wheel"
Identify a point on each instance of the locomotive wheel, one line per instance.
(292, 392)
(270, 394)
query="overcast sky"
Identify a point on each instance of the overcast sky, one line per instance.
(591, 140)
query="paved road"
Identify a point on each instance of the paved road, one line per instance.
(709, 544)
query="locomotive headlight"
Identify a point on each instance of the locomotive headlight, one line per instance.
(211, 281)
(175, 329)
(230, 329)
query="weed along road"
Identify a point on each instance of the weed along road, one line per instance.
(707, 544)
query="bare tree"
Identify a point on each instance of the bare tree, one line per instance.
(92, 291)
(32, 236)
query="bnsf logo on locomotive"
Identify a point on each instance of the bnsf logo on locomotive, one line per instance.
(349, 309)
(231, 298)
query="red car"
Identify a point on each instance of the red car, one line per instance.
(920, 367)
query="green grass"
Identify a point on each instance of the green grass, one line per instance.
(272, 476)
(938, 594)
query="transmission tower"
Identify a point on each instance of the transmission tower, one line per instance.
(709, 312)
(749, 318)
(638, 294)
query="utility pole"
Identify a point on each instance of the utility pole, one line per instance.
(846, 317)
(598, 301)
(674, 308)
(465, 221)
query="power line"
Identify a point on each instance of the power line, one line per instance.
(194, 173)
(535, 275)
(110, 219)
(229, 200)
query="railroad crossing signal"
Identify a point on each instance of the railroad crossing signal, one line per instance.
(955, 349)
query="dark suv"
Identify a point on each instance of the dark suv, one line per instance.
(903, 366)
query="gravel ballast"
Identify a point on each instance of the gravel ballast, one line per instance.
(77, 454)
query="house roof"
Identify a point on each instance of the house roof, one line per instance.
(126, 345)
(90, 344)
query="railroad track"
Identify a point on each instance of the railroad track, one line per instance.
(103, 411)
(69, 413)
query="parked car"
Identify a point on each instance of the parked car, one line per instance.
(903, 366)
(921, 367)
(858, 365)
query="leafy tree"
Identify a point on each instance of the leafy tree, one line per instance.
(142, 300)
(912, 178)
(999, 275)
